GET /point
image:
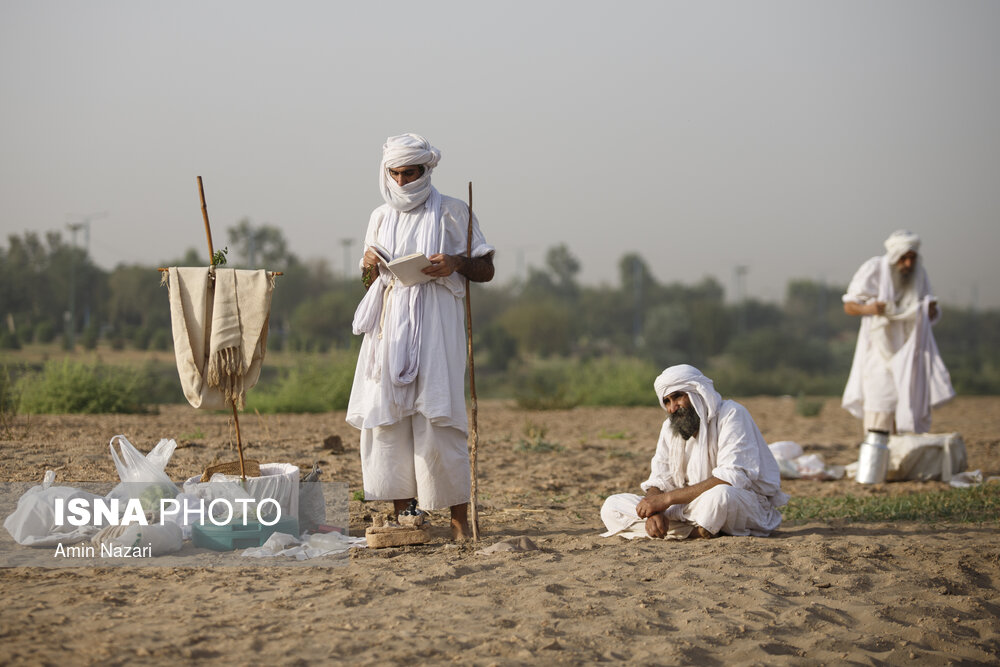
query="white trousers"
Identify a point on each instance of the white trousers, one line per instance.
(413, 458)
(722, 508)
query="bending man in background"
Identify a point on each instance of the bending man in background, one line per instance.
(408, 396)
(712, 472)
(897, 375)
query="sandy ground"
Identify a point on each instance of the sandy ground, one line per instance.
(812, 593)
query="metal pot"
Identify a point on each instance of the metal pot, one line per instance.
(873, 462)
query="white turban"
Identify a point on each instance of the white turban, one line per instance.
(899, 243)
(407, 150)
(699, 389)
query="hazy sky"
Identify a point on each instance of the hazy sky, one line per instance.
(787, 137)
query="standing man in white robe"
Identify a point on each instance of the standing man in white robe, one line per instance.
(897, 375)
(408, 397)
(712, 472)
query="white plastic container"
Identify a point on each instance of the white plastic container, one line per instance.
(277, 481)
(873, 460)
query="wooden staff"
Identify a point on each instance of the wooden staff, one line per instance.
(472, 385)
(208, 228)
(211, 258)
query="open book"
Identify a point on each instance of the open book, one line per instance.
(406, 269)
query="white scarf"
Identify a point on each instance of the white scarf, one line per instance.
(706, 401)
(394, 312)
(407, 150)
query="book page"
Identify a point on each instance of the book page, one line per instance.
(408, 269)
(382, 252)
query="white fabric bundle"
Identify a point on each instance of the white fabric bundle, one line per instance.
(922, 380)
(220, 332)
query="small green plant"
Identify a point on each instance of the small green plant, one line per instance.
(196, 434)
(358, 495)
(534, 440)
(219, 258)
(616, 435)
(808, 407)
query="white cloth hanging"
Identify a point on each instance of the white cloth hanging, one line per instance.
(220, 331)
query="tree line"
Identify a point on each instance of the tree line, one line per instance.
(51, 290)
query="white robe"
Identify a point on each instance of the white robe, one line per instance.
(438, 390)
(897, 368)
(736, 454)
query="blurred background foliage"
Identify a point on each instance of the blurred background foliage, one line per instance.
(545, 340)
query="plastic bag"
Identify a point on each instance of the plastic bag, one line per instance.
(33, 522)
(277, 481)
(160, 539)
(143, 475)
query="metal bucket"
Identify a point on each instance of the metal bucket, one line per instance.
(873, 462)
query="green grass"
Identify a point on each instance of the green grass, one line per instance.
(534, 441)
(317, 386)
(972, 505)
(64, 387)
(554, 384)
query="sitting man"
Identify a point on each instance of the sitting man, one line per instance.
(712, 472)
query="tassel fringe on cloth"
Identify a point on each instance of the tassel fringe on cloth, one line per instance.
(219, 319)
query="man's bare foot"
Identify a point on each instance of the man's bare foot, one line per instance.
(700, 533)
(460, 530)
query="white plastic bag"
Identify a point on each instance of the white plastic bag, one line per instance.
(159, 539)
(143, 475)
(33, 522)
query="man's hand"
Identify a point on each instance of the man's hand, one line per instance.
(442, 265)
(652, 504)
(932, 310)
(656, 526)
(371, 259)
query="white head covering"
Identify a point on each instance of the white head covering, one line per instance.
(899, 243)
(699, 389)
(706, 401)
(406, 150)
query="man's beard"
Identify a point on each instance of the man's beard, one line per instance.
(685, 422)
(905, 278)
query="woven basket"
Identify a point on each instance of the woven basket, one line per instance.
(251, 467)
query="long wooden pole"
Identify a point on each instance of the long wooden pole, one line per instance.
(211, 259)
(208, 228)
(472, 387)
